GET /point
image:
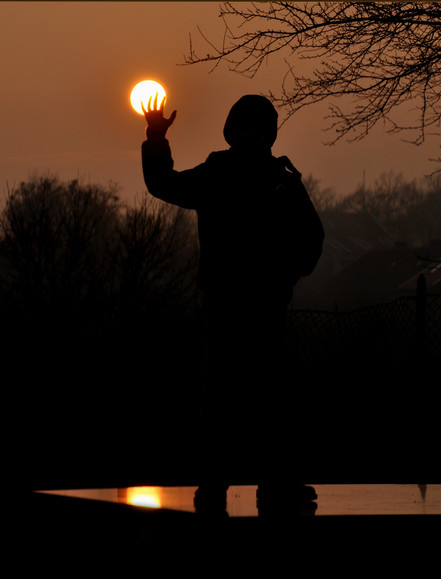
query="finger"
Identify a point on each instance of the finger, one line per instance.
(172, 118)
(143, 109)
(149, 105)
(155, 102)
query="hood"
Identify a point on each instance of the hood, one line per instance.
(252, 114)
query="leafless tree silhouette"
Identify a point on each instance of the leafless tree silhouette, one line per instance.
(57, 240)
(372, 57)
(157, 254)
(76, 250)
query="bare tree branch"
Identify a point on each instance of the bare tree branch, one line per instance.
(369, 59)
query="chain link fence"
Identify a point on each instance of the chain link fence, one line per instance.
(433, 327)
(389, 333)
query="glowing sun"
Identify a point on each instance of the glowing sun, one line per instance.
(143, 91)
(144, 497)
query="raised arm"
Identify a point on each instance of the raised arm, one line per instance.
(182, 188)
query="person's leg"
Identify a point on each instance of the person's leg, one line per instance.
(214, 435)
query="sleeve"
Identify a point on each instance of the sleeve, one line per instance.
(183, 188)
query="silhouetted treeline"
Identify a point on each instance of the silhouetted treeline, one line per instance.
(408, 210)
(74, 258)
(88, 280)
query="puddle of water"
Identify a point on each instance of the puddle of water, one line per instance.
(350, 499)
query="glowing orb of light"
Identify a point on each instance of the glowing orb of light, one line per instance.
(145, 90)
(144, 497)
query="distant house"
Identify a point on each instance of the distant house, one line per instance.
(431, 257)
(362, 265)
(348, 237)
(381, 275)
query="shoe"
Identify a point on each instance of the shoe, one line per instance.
(299, 492)
(300, 500)
(211, 499)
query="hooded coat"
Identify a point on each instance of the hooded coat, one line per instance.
(258, 229)
(259, 233)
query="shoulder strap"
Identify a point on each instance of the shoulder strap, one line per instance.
(286, 164)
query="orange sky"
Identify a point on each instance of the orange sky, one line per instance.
(67, 69)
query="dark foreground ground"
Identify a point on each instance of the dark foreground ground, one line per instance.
(113, 428)
(71, 536)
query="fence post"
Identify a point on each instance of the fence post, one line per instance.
(421, 315)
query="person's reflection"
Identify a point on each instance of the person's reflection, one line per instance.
(272, 501)
(211, 499)
(282, 502)
(259, 234)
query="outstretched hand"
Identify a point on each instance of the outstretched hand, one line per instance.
(157, 125)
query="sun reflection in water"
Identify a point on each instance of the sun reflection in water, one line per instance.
(144, 497)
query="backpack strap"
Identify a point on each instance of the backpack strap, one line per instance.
(286, 164)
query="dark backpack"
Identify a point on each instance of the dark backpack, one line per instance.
(305, 230)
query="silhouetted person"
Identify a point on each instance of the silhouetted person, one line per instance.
(259, 234)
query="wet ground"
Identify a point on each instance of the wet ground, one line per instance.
(332, 499)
